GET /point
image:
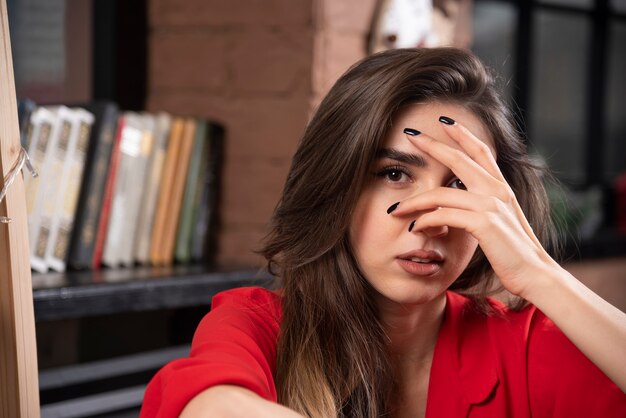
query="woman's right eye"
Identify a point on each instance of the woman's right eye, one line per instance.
(394, 175)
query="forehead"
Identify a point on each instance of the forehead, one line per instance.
(425, 118)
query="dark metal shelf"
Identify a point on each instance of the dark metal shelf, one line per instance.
(94, 293)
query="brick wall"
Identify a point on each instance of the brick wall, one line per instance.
(257, 67)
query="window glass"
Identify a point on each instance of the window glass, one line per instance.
(494, 40)
(619, 6)
(615, 147)
(558, 92)
(580, 4)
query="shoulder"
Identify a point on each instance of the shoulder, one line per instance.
(562, 380)
(253, 309)
(535, 363)
(249, 297)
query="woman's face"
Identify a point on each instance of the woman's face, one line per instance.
(411, 267)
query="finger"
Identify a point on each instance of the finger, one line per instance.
(478, 150)
(445, 197)
(467, 220)
(475, 177)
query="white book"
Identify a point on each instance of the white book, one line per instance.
(42, 122)
(69, 188)
(50, 175)
(137, 189)
(162, 123)
(130, 150)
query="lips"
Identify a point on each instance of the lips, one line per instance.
(421, 262)
(422, 256)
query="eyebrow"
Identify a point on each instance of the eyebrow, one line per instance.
(403, 157)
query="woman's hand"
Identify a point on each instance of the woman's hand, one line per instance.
(488, 209)
(227, 401)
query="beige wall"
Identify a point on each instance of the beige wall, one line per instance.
(607, 277)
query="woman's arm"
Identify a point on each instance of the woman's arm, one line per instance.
(595, 326)
(234, 344)
(226, 401)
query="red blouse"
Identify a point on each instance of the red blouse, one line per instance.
(509, 364)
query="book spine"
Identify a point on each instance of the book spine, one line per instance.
(122, 198)
(169, 239)
(136, 189)
(204, 242)
(52, 177)
(153, 182)
(161, 217)
(106, 199)
(185, 225)
(56, 253)
(93, 185)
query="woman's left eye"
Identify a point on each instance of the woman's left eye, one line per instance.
(457, 184)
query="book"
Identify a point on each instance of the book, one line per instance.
(42, 123)
(205, 216)
(145, 225)
(97, 159)
(62, 219)
(161, 217)
(124, 201)
(136, 189)
(52, 177)
(177, 191)
(103, 222)
(185, 224)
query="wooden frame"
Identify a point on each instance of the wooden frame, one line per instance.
(19, 388)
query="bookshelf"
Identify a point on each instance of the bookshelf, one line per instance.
(82, 294)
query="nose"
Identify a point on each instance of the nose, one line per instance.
(436, 231)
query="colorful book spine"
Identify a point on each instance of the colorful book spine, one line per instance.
(122, 200)
(93, 184)
(178, 187)
(103, 222)
(185, 224)
(162, 218)
(145, 225)
(206, 221)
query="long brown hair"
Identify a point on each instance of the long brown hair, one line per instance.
(332, 350)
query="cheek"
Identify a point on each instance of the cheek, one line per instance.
(464, 247)
(369, 223)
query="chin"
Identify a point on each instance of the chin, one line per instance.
(410, 294)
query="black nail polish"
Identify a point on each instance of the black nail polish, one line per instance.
(393, 207)
(411, 131)
(446, 120)
(411, 226)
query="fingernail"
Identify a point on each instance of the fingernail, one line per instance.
(393, 207)
(446, 120)
(411, 226)
(411, 131)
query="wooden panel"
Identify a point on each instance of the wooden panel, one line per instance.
(19, 396)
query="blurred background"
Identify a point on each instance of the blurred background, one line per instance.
(258, 68)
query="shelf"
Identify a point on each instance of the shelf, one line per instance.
(93, 293)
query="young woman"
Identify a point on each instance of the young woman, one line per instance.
(411, 193)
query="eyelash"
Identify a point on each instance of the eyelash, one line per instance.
(386, 171)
